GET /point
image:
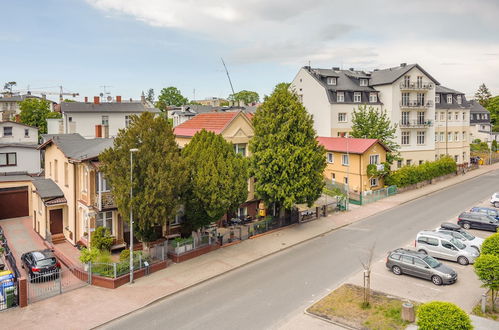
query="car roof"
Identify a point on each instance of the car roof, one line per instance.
(44, 254)
(449, 226)
(410, 252)
(485, 208)
(433, 233)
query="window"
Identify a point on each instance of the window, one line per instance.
(179, 216)
(418, 262)
(405, 138)
(66, 182)
(456, 158)
(342, 117)
(449, 137)
(464, 116)
(456, 116)
(420, 162)
(344, 159)
(242, 212)
(50, 169)
(420, 99)
(449, 98)
(407, 81)
(463, 138)
(105, 219)
(340, 97)
(421, 137)
(419, 81)
(128, 120)
(436, 116)
(405, 117)
(405, 98)
(333, 177)
(363, 82)
(330, 157)
(442, 137)
(456, 136)
(357, 98)
(407, 260)
(436, 137)
(70, 119)
(56, 171)
(432, 241)
(374, 182)
(26, 132)
(399, 163)
(8, 159)
(449, 116)
(459, 99)
(7, 131)
(104, 184)
(442, 116)
(437, 98)
(85, 180)
(408, 162)
(373, 97)
(421, 119)
(105, 120)
(374, 159)
(240, 149)
(331, 80)
(345, 180)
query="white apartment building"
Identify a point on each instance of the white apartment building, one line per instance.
(405, 92)
(19, 148)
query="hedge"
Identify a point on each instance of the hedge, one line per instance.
(491, 245)
(411, 174)
(439, 315)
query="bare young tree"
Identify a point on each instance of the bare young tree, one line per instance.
(367, 275)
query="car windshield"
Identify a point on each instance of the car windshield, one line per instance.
(458, 243)
(45, 262)
(467, 235)
(431, 261)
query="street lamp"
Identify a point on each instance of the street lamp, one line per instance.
(131, 213)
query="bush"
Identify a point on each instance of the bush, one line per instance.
(491, 245)
(102, 239)
(439, 315)
(487, 269)
(89, 255)
(412, 174)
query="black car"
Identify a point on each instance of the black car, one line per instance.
(40, 265)
(477, 220)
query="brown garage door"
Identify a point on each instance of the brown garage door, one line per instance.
(14, 202)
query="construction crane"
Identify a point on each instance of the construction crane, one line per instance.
(61, 93)
(227, 71)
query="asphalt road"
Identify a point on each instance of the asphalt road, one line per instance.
(267, 293)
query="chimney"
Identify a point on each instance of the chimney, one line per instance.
(96, 100)
(143, 98)
(86, 99)
(402, 65)
(130, 99)
(118, 98)
(351, 69)
(98, 131)
(18, 120)
(335, 68)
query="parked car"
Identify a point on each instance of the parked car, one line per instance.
(486, 210)
(404, 261)
(40, 265)
(477, 220)
(494, 200)
(461, 234)
(444, 246)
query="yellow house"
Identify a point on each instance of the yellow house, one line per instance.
(236, 128)
(348, 159)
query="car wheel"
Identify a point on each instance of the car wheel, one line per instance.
(437, 280)
(466, 225)
(396, 270)
(496, 204)
(422, 251)
(463, 261)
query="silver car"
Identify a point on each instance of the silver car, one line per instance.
(459, 233)
(443, 246)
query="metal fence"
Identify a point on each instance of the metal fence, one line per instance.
(49, 284)
(180, 246)
(366, 197)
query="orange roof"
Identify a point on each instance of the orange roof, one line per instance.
(351, 145)
(211, 121)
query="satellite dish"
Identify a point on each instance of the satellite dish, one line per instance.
(109, 98)
(101, 94)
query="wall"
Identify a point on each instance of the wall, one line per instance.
(18, 134)
(459, 148)
(85, 122)
(28, 160)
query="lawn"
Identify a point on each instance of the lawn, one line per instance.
(477, 310)
(344, 305)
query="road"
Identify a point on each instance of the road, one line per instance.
(267, 293)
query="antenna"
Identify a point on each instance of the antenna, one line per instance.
(194, 95)
(226, 71)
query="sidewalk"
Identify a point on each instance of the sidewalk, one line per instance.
(83, 308)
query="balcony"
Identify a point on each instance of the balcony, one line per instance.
(104, 200)
(415, 123)
(416, 104)
(414, 86)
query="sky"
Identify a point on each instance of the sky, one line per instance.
(130, 46)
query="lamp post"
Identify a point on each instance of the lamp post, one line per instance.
(131, 213)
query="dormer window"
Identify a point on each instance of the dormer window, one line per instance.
(331, 81)
(459, 99)
(357, 98)
(373, 97)
(340, 97)
(363, 82)
(437, 98)
(449, 98)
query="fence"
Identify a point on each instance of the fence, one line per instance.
(367, 197)
(181, 246)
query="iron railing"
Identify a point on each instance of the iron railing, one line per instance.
(416, 104)
(415, 123)
(416, 86)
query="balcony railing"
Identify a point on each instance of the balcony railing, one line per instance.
(416, 86)
(106, 201)
(415, 123)
(416, 104)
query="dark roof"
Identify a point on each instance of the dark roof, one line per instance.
(388, 76)
(20, 98)
(15, 178)
(476, 107)
(119, 107)
(46, 188)
(446, 90)
(18, 145)
(76, 147)
(346, 80)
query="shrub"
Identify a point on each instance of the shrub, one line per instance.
(487, 269)
(491, 245)
(102, 239)
(439, 315)
(89, 255)
(125, 255)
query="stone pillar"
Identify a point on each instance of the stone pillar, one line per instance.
(23, 292)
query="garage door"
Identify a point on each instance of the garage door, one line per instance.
(14, 202)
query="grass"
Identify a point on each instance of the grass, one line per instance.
(477, 310)
(344, 305)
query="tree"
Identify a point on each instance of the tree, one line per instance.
(150, 95)
(287, 161)
(487, 269)
(170, 96)
(439, 315)
(246, 97)
(491, 245)
(35, 112)
(218, 179)
(483, 95)
(159, 174)
(8, 86)
(370, 123)
(493, 107)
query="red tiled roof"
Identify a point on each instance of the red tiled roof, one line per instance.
(352, 145)
(211, 121)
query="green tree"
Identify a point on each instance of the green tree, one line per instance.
(483, 95)
(246, 97)
(218, 179)
(494, 145)
(493, 107)
(439, 315)
(35, 112)
(287, 161)
(487, 269)
(159, 174)
(170, 96)
(491, 245)
(8, 86)
(150, 95)
(369, 123)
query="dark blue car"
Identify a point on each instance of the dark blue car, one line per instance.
(486, 210)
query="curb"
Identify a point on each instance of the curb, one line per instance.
(341, 325)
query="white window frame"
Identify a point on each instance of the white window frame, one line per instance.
(421, 137)
(442, 137)
(363, 82)
(26, 132)
(437, 98)
(407, 136)
(464, 136)
(330, 157)
(456, 136)
(238, 147)
(106, 217)
(342, 117)
(128, 121)
(331, 81)
(84, 184)
(345, 160)
(373, 182)
(373, 97)
(6, 159)
(357, 97)
(5, 129)
(456, 116)
(449, 98)
(459, 99)
(374, 159)
(340, 97)
(449, 136)
(105, 120)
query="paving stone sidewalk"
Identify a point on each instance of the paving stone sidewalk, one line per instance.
(92, 306)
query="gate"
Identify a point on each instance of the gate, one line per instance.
(50, 284)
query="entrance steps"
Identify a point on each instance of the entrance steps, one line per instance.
(58, 238)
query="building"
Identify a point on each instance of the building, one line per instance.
(212, 101)
(9, 105)
(347, 161)
(236, 128)
(97, 119)
(452, 125)
(19, 148)
(480, 126)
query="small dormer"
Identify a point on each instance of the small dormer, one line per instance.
(363, 82)
(449, 98)
(332, 81)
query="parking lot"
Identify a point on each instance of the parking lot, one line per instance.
(466, 292)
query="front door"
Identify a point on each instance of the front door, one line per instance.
(56, 221)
